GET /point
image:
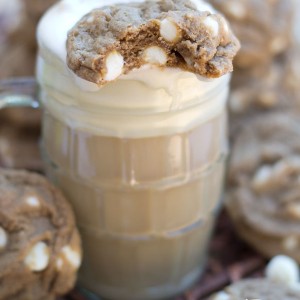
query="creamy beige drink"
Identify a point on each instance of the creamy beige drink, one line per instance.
(141, 159)
(145, 206)
(158, 188)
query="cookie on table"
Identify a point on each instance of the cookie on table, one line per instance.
(264, 28)
(281, 283)
(173, 33)
(264, 184)
(40, 248)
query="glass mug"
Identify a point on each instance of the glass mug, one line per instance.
(145, 205)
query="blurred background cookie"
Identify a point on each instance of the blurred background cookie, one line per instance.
(263, 76)
(281, 283)
(18, 21)
(265, 89)
(19, 127)
(263, 27)
(264, 176)
(39, 243)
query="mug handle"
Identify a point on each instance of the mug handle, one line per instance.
(18, 92)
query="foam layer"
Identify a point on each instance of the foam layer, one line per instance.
(175, 102)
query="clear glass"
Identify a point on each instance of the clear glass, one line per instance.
(145, 206)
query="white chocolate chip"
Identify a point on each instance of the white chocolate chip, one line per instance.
(38, 257)
(212, 25)
(73, 257)
(225, 25)
(237, 10)
(59, 263)
(283, 269)
(290, 243)
(90, 19)
(221, 296)
(33, 201)
(170, 31)
(3, 238)
(155, 55)
(262, 178)
(114, 66)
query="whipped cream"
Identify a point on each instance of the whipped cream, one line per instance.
(135, 105)
(146, 102)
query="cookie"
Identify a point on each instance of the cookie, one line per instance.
(281, 282)
(258, 89)
(255, 289)
(39, 243)
(264, 28)
(114, 40)
(18, 21)
(261, 90)
(263, 198)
